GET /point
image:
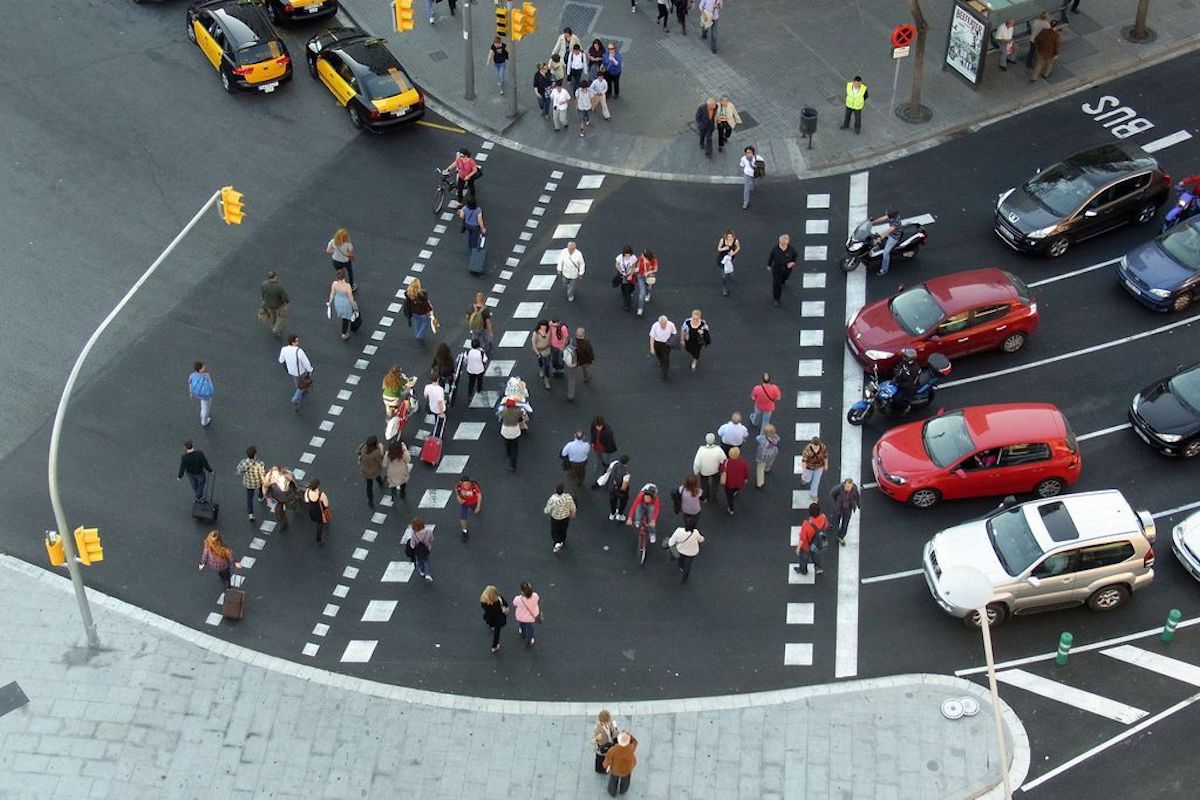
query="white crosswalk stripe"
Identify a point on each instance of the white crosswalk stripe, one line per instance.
(1163, 665)
(1087, 701)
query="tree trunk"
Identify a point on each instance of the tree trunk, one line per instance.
(915, 112)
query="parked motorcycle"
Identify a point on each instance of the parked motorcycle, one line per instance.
(1186, 207)
(883, 396)
(866, 246)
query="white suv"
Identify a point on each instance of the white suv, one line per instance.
(1052, 553)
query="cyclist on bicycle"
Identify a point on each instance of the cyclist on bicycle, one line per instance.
(466, 169)
(645, 507)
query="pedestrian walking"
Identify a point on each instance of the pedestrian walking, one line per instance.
(604, 444)
(808, 544)
(727, 119)
(473, 223)
(1046, 46)
(495, 613)
(681, 12)
(397, 465)
(200, 387)
(558, 70)
(296, 362)
(626, 279)
(845, 498)
(560, 507)
(599, 89)
(595, 58)
(479, 322)
(618, 487)
(604, 736)
(216, 555)
(706, 124)
(619, 761)
(341, 302)
(443, 367)
(564, 44)
(575, 455)
(583, 105)
(396, 420)
(707, 465)
(1036, 26)
(685, 545)
(421, 544)
(645, 508)
(466, 171)
(735, 474)
(540, 342)
(317, 503)
(194, 464)
(1004, 43)
(419, 310)
(662, 336)
(728, 247)
(498, 58)
(560, 101)
(1074, 6)
(752, 167)
(370, 464)
(694, 336)
(527, 607)
(275, 304)
(664, 14)
(765, 455)
(815, 460)
(781, 261)
(764, 396)
(252, 472)
(342, 255)
(470, 503)
(576, 65)
(279, 490)
(647, 278)
(710, 14)
(542, 82)
(578, 357)
(689, 498)
(435, 396)
(856, 98)
(571, 267)
(429, 10)
(732, 433)
(476, 365)
(511, 420)
(614, 63)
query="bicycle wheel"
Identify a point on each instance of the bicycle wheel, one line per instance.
(643, 546)
(439, 198)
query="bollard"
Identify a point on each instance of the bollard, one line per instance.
(1172, 620)
(1064, 648)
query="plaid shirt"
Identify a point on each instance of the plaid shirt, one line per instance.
(252, 472)
(215, 562)
(560, 506)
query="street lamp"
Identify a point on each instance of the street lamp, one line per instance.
(967, 587)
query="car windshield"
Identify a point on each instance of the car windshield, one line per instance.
(256, 53)
(1013, 541)
(947, 440)
(378, 72)
(1061, 188)
(916, 310)
(1183, 245)
(1186, 387)
(863, 230)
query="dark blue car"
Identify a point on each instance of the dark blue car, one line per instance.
(1165, 273)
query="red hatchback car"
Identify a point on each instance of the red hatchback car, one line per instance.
(979, 451)
(965, 312)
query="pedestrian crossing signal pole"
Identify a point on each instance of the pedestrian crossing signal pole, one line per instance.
(514, 25)
(468, 56)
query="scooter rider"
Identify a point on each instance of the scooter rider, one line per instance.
(891, 236)
(906, 375)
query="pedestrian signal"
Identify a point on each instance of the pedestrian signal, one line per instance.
(232, 210)
(402, 15)
(54, 549)
(529, 14)
(502, 22)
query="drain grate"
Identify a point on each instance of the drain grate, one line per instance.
(438, 55)
(580, 17)
(11, 698)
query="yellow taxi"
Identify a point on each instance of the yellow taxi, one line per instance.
(365, 78)
(237, 39)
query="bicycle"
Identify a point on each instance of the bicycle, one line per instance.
(643, 540)
(445, 185)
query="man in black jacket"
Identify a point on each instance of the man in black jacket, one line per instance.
(706, 123)
(781, 262)
(196, 466)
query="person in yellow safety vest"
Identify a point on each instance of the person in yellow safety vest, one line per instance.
(856, 98)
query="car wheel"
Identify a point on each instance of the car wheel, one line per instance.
(1058, 247)
(355, 118)
(1050, 487)
(312, 66)
(924, 498)
(1191, 449)
(191, 32)
(1013, 342)
(1146, 214)
(1181, 302)
(226, 81)
(1108, 598)
(996, 613)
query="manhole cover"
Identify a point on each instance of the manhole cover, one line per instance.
(748, 121)
(438, 55)
(579, 17)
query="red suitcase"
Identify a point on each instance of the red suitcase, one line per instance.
(431, 451)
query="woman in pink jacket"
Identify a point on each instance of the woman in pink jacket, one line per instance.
(528, 610)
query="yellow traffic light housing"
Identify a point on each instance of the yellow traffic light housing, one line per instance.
(232, 210)
(518, 25)
(402, 15)
(54, 549)
(529, 14)
(502, 22)
(87, 542)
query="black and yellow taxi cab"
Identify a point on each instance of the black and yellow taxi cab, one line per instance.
(237, 39)
(300, 10)
(365, 78)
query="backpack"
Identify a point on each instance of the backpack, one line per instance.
(760, 167)
(569, 356)
(818, 528)
(475, 320)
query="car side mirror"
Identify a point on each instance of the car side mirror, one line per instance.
(1034, 582)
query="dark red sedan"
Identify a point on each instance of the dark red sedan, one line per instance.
(965, 312)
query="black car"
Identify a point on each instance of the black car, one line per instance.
(365, 78)
(1085, 195)
(300, 10)
(1167, 414)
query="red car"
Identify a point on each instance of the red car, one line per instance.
(965, 312)
(979, 451)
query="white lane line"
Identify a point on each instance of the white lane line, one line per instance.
(1073, 273)
(1166, 141)
(845, 663)
(1063, 357)
(1102, 432)
(1120, 737)
(1170, 512)
(908, 573)
(1086, 701)
(1163, 665)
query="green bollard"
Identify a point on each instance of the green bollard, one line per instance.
(1172, 620)
(1064, 648)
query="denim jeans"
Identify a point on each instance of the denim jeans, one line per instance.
(544, 364)
(643, 292)
(712, 36)
(298, 395)
(811, 555)
(544, 105)
(198, 480)
(423, 565)
(501, 71)
(250, 501)
(760, 419)
(525, 629)
(647, 514)
(747, 188)
(814, 485)
(420, 325)
(887, 254)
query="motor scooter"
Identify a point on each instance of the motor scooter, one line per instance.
(866, 246)
(883, 396)
(1186, 207)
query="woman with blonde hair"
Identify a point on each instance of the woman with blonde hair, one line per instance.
(694, 336)
(604, 736)
(341, 302)
(495, 613)
(217, 556)
(342, 252)
(418, 309)
(765, 455)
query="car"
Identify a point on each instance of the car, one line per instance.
(237, 39)
(365, 78)
(1185, 543)
(1166, 414)
(1164, 273)
(282, 11)
(1046, 554)
(978, 451)
(956, 314)
(1085, 195)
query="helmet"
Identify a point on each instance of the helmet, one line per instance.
(650, 489)
(891, 212)
(908, 354)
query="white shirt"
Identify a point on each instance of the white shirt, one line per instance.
(476, 361)
(708, 460)
(660, 334)
(712, 7)
(435, 398)
(295, 360)
(1004, 33)
(626, 264)
(583, 98)
(340, 252)
(599, 86)
(576, 60)
(747, 165)
(570, 264)
(560, 97)
(733, 433)
(686, 542)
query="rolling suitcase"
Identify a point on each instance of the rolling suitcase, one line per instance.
(233, 606)
(206, 510)
(431, 450)
(477, 265)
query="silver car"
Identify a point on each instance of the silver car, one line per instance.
(1057, 552)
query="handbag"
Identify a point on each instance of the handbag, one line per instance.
(433, 323)
(616, 281)
(303, 379)
(326, 515)
(263, 313)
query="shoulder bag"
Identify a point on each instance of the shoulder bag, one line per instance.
(303, 379)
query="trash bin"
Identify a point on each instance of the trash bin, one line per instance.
(808, 121)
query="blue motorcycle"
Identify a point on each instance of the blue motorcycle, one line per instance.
(884, 396)
(1186, 207)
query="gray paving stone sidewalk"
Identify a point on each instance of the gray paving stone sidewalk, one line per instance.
(167, 712)
(774, 58)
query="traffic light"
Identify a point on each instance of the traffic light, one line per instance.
(402, 15)
(231, 206)
(518, 25)
(502, 22)
(529, 13)
(54, 548)
(87, 542)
